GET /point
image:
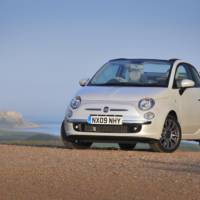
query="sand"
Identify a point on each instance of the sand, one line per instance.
(57, 173)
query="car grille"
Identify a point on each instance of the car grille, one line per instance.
(125, 128)
(111, 109)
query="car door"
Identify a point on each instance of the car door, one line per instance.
(189, 101)
(196, 89)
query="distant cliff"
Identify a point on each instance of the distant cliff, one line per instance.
(12, 119)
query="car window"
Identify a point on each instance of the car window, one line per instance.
(107, 73)
(196, 76)
(182, 72)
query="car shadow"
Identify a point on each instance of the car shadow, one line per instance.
(140, 147)
(59, 145)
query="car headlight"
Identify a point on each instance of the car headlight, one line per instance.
(146, 104)
(75, 102)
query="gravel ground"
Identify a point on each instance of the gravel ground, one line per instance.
(56, 173)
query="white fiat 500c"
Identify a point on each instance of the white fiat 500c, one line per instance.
(136, 100)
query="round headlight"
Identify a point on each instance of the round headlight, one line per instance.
(75, 102)
(146, 104)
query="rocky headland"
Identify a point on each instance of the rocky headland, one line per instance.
(11, 120)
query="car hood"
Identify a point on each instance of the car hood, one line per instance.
(120, 93)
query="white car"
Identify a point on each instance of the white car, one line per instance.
(136, 100)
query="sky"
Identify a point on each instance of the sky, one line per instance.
(47, 46)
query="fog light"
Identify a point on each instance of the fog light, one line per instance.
(77, 127)
(149, 115)
(69, 113)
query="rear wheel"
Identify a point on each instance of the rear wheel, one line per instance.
(73, 144)
(124, 146)
(170, 137)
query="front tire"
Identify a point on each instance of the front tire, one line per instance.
(72, 144)
(127, 147)
(170, 137)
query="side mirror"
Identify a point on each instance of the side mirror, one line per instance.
(186, 83)
(83, 82)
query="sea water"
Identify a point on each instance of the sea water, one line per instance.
(52, 128)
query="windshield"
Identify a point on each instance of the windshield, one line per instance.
(148, 74)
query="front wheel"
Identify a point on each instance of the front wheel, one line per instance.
(73, 144)
(170, 137)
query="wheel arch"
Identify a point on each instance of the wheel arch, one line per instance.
(173, 113)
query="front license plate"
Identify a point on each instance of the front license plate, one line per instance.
(111, 120)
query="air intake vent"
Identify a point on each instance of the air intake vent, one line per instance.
(125, 128)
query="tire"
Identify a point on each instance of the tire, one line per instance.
(127, 146)
(72, 144)
(170, 137)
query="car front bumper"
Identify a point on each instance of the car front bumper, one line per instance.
(149, 130)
